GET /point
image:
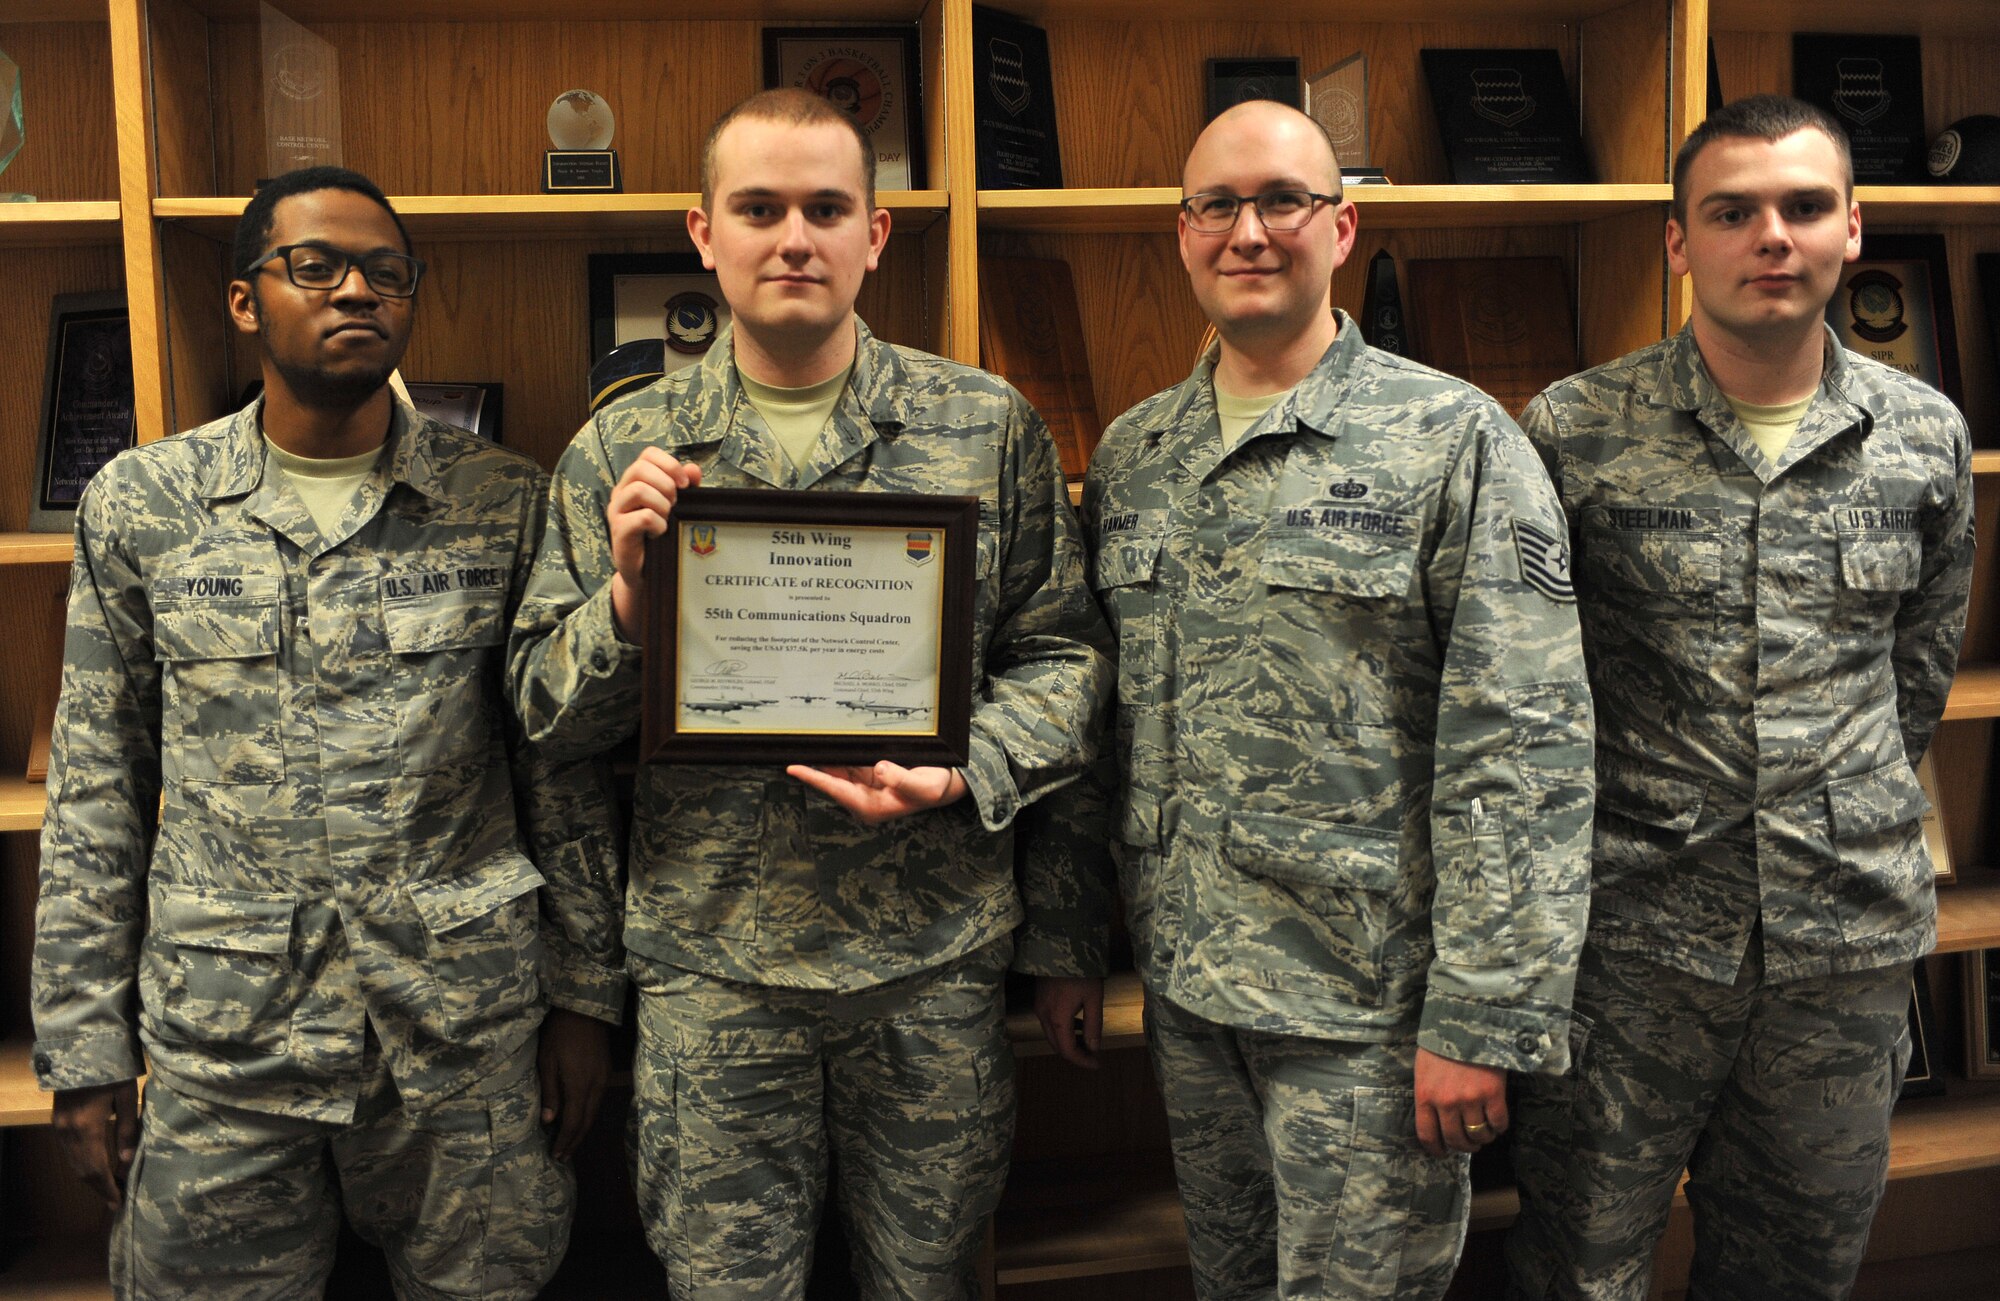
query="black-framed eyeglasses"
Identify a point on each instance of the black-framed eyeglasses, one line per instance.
(318, 266)
(1215, 214)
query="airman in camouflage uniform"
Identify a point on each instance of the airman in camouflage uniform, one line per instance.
(820, 977)
(1772, 632)
(281, 852)
(1355, 743)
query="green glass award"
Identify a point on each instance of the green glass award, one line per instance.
(12, 133)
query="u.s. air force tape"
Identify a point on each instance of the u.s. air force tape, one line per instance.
(1544, 561)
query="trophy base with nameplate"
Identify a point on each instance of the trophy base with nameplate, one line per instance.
(580, 126)
(1501, 324)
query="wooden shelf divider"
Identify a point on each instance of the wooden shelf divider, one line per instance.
(530, 216)
(1975, 693)
(1150, 210)
(44, 225)
(36, 548)
(21, 803)
(22, 1101)
(1969, 917)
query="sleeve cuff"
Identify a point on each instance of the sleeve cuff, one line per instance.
(87, 1061)
(1526, 1043)
(990, 782)
(588, 988)
(1040, 952)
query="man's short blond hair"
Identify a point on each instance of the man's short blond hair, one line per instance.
(793, 107)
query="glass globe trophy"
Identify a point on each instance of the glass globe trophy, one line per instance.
(582, 162)
(11, 131)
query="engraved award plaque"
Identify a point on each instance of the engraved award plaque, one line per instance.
(301, 97)
(1873, 86)
(582, 160)
(1337, 99)
(1506, 117)
(1503, 324)
(1031, 332)
(1014, 104)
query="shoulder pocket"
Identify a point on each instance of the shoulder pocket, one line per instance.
(1126, 559)
(448, 621)
(1880, 562)
(1347, 564)
(1654, 560)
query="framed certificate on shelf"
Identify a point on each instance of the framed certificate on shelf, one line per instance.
(810, 627)
(870, 73)
(1894, 305)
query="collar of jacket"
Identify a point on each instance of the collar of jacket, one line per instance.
(1683, 384)
(1313, 404)
(703, 415)
(240, 468)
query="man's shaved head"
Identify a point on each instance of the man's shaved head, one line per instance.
(1304, 143)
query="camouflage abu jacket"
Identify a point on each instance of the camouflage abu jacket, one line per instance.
(1352, 712)
(1771, 646)
(743, 872)
(337, 842)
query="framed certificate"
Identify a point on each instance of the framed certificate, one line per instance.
(870, 73)
(810, 627)
(1894, 305)
(664, 296)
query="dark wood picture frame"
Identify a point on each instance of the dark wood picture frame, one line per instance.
(606, 268)
(1917, 289)
(910, 65)
(1982, 1014)
(956, 519)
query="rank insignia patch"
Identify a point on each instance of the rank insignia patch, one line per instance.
(1544, 561)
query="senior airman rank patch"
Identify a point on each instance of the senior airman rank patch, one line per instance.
(1544, 561)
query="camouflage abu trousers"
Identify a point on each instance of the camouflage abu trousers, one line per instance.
(741, 1092)
(1299, 1168)
(1775, 1098)
(225, 1204)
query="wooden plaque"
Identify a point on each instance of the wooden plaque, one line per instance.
(1031, 333)
(810, 627)
(1503, 324)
